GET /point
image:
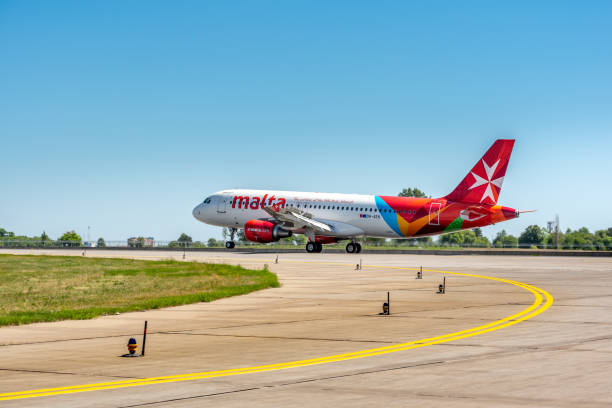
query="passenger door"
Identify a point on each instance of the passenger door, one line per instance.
(221, 205)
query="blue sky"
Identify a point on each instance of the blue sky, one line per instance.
(123, 115)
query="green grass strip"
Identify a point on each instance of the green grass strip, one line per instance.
(50, 288)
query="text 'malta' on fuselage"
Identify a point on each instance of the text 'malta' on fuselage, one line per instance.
(325, 218)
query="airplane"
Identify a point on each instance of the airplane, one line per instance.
(327, 218)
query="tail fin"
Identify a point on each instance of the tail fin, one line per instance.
(483, 184)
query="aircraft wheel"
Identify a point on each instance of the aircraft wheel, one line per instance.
(311, 247)
(357, 247)
(230, 244)
(319, 246)
(351, 248)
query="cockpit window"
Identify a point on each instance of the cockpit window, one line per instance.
(207, 200)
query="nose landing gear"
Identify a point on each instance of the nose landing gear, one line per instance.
(231, 244)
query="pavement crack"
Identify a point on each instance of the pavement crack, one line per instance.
(190, 397)
(21, 370)
(279, 337)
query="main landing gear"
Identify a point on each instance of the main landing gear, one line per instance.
(231, 244)
(312, 247)
(353, 247)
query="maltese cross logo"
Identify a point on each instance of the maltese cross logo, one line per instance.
(490, 171)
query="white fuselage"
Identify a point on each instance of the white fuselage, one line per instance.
(351, 215)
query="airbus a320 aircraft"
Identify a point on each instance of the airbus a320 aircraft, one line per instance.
(327, 218)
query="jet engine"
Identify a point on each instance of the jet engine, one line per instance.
(264, 231)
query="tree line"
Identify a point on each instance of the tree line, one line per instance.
(532, 237)
(68, 239)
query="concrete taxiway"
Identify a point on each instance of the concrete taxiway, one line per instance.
(557, 358)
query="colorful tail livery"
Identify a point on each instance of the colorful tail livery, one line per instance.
(325, 218)
(483, 184)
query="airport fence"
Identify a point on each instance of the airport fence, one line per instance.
(393, 245)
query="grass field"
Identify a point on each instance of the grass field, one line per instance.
(50, 288)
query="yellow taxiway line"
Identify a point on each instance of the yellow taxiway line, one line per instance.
(543, 300)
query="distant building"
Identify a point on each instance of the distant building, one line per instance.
(141, 242)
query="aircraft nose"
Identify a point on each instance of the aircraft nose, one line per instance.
(196, 211)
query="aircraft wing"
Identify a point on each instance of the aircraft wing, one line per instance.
(296, 219)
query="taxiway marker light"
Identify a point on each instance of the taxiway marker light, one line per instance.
(132, 345)
(442, 286)
(386, 307)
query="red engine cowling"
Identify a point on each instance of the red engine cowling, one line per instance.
(264, 231)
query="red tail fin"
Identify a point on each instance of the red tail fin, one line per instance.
(483, 184)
